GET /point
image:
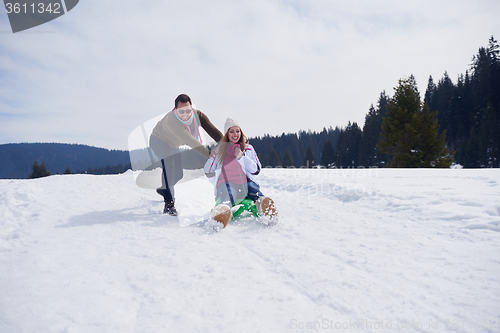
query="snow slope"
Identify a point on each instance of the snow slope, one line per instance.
(356, 250)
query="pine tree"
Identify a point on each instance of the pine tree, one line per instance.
(309, 157)
(273, 159)
(38, 171)
(68, 171)
(328, 154)
(493, 49)
(488, 142)
(471, 157)
(35, 170)
(430, 92)
(287, 160)
(349, 146)
(370, 155)
(433, 145)
(494, 53)
(442, 101)
(410, 132)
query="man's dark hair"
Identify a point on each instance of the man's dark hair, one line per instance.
(183, 98)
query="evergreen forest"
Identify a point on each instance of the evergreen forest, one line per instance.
(468, 120)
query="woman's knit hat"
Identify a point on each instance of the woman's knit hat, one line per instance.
(230, 123)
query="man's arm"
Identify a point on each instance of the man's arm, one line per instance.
(207, 125)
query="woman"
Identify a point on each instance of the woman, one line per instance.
(232, 168)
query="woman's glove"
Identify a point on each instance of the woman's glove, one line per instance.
(233, 150)
(237, 151)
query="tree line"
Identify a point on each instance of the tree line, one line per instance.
(459, 122)
(40, 170)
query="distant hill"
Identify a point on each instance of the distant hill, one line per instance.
(16, 159)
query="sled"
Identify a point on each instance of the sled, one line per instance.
(245, 208)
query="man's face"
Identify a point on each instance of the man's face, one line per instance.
(184, 110)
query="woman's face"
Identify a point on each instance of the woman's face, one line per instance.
(234, 134)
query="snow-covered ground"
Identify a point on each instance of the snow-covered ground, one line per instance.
(356, 250)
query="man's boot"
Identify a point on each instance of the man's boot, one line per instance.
(170, 208)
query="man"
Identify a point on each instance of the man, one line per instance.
(179, 127)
